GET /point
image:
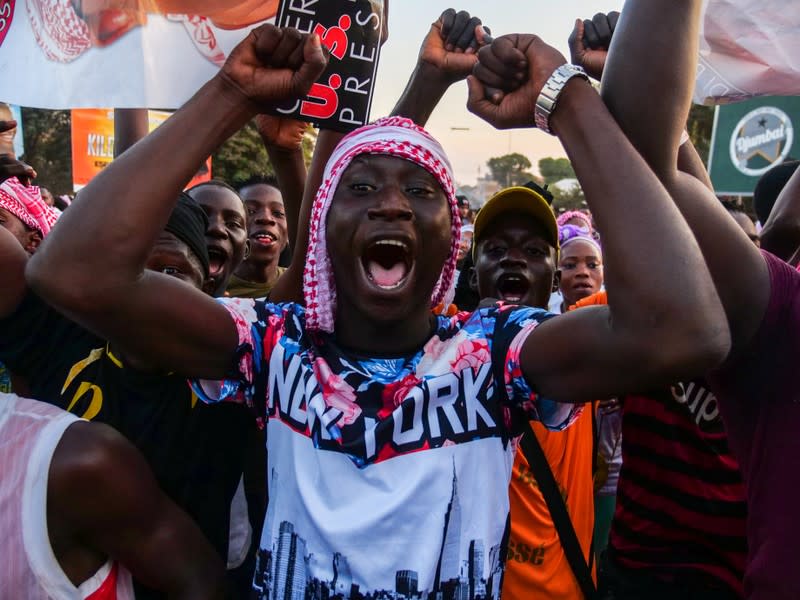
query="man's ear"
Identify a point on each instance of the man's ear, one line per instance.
(473, 279)
(556, 280)
(246, 250)
(32, 241)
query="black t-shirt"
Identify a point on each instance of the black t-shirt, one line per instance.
(195, 450)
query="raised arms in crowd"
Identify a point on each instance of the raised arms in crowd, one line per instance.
(656, 46)
(162, 314)
(580, 355)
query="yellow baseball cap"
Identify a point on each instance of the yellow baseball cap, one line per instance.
(518, 199)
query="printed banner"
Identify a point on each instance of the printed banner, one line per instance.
(93, 144)
(121, 53)
(145, 53)
(748, 49)
(749, 139)
(351, 30)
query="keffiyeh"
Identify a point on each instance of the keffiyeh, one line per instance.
(27, 205)
(393, 136)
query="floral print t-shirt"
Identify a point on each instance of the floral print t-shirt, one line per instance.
(386, 474)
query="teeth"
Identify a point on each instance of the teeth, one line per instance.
(395, 243)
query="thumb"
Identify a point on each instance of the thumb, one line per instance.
(314, 62)
(576, 37)
(476, 98)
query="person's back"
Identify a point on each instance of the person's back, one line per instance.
(30, 431)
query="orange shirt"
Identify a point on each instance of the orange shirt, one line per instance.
(536, 565)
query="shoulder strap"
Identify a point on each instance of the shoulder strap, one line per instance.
(537, 461)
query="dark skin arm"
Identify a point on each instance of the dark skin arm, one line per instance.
(92, 266)
(9, 165)
(781, 233)
(13, 259)
(655, 49)
(283, 139)
(647, 335)
(447, 56)
(588, 46)
(130, 125)
(103, 501)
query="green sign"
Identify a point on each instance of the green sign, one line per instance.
(749, 139)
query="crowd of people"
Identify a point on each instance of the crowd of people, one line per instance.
(344, 383)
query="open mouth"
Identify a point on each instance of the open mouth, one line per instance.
(512, 288)
(217, 258)
(264, 238)
(387, 263)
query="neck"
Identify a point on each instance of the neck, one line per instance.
(258, 272)
(387, 338)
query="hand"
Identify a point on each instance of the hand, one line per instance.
(274, 64)
(590, 40)
(501, 60)
(11, 167)
(451, 45)
(281, 132)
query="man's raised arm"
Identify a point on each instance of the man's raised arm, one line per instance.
(647, 86)
(92, 268)
(664, 320)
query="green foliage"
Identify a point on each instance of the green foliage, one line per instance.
(243, 155)
(510, 169)
(699, 126)
(48, 148)
(555, 169)
(572, 199)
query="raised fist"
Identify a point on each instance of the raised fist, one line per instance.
(281, 132)
(590, 40)
(500, 61)
(274, 64)
(452, 43)
(11, 167)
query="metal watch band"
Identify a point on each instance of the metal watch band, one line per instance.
(546, 102)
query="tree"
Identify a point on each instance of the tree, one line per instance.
(555, 169)
(699, 126)
(510, 169)
(47, 136)
(569, 199)
(243, 155)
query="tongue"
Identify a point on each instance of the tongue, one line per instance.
(387, 277)
(214, 266)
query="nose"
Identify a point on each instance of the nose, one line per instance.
(392, 206)
(216, 228)
(264, 217)
(514, 256)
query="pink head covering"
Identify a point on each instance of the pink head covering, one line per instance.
(574, 214)
(27, 205)
(392, 136)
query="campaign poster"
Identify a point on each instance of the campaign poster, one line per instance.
(351, 30)
(93, 144)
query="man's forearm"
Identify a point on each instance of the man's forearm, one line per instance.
(127, 205)
(290, 171)
(423, 92)
(635, 203)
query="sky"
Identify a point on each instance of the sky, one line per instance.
(409, 22)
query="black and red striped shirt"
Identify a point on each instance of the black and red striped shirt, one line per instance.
(681, 509)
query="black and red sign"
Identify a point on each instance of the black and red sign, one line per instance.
(351, 30)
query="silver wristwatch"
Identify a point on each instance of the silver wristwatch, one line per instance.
(546, 102)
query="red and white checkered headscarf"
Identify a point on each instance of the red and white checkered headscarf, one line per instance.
(27, 205)
(392, 136)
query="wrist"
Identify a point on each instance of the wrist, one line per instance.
(572, 99)
(550, 94)
(230, 93)
(431, 78)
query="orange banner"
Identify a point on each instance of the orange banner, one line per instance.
(93, 144)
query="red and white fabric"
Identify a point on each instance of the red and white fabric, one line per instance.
(393, 136)
(26, 203)
(29, 434)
